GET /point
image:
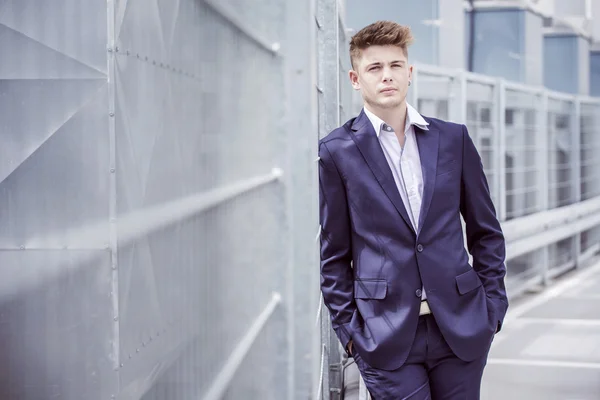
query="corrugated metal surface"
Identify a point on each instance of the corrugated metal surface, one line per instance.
(151, 192)
(158, 206)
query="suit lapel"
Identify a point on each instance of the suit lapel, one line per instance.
(428, 142)
(366, 140)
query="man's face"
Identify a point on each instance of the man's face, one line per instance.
(382, 75)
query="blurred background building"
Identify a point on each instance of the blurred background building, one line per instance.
(158, 184)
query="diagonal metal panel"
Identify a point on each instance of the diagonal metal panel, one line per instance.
(120, 13)
(140, 108)
(57, 23)
(138, 290)
(140, 30)
(24, 102)
(30, 59)
(63, 183)
(169, 11)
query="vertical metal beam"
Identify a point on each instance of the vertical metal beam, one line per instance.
(415, 88)
(501, 145)
(462, 76)
(576, 169)
(329, 119)
(543, 176)
(112, 174)
(301, 186)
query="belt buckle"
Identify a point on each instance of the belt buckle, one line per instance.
(424, 308)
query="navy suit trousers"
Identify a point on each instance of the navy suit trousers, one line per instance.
(431, 372)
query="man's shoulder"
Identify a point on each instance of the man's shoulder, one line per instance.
(339, 134)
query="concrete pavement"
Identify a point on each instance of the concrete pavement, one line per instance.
(549, 348)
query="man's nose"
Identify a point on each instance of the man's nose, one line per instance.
(387, 76)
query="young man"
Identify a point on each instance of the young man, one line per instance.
(395, 275)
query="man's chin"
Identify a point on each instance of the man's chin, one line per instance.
(389, 103)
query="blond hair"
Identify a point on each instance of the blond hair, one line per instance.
(380, 33)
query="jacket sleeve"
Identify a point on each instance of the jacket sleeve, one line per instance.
(485, 239)
(337, 282)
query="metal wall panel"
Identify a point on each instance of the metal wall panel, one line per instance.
(190, 292)
(56, 337)
(55, 304)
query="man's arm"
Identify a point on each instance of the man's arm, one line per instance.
(485, 240)
(337, 281)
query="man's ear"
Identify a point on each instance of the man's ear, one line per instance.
(354, 79)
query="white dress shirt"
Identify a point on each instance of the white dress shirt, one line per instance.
(404, 162)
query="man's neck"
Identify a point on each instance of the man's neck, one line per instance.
(394, 117)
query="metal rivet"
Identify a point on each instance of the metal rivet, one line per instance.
(117, 49)
(116, 318)
(112, 170)
(22, 247)
(112, 114)
(137, 350)
(122, 365)
(110, 50)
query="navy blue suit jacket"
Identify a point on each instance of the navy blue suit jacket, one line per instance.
(373, 263)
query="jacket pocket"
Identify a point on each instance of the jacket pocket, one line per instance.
(467, 281)
(370, 289)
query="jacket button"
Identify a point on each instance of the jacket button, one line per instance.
(418, 293)
(420, 248)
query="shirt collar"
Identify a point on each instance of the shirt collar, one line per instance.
(412, 118)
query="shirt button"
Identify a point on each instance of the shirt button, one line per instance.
(418, 293)
(420, 248)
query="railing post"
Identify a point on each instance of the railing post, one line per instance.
(501, 143)
(543, 176)
(576, 169)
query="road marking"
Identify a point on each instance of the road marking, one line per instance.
(543, 363)
(561, 321)
(581, 296)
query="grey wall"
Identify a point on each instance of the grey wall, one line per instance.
(574, 76)
(560, 76)
(452, 34)
(595, 73)
(584, 65)
(533, 57)
(508, 44)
